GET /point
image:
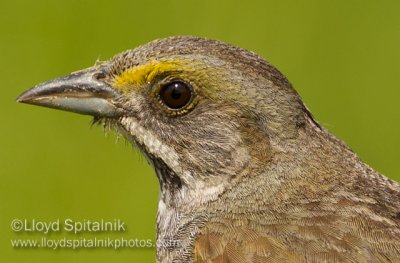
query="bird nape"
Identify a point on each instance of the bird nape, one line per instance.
(246, 174)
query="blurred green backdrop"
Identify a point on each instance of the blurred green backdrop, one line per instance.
(342, 56)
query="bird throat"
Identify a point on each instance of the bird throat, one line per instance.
(169, 181)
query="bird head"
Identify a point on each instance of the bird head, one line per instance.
(203, 112)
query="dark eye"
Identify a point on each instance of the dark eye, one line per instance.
(175, 95)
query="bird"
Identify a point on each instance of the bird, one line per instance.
(246, 173)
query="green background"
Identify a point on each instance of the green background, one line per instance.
(342, 56)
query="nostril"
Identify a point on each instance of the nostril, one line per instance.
(99, 75)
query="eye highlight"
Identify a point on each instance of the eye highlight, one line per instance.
(175, 95)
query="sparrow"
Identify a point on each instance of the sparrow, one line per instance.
(246, 174)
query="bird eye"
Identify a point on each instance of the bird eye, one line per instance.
(175, 95)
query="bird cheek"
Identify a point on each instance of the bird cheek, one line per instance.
(257, 142)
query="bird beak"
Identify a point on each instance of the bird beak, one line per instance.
(81, 92)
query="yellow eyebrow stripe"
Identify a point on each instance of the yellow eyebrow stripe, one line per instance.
(144, 73)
